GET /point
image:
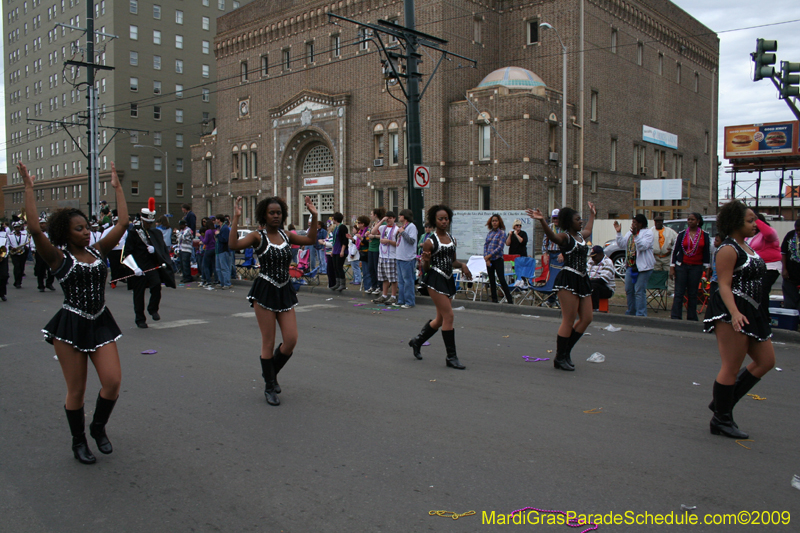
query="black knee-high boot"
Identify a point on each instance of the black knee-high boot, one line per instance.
(744, 382)
(562, 344)
(416, 343)
(573, 340)
(449, 337)
(722, 422)
(279, 360)
(97, 429)
(268, 371)
(80, 448)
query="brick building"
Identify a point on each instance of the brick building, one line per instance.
(304, 110)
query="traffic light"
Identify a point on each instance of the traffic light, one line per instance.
(790, 79)
(763, 59)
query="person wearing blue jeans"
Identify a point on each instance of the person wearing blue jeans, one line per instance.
(636, 291)
(223, 256)
(319, 247)
(406, 259)
(639, 258)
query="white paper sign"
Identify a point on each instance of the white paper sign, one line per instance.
(662, 190)
(469, 230)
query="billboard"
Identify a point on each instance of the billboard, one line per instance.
(761, 140)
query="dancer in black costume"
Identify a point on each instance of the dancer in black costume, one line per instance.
(572, 283)
(272, 290)
(83, 328)
(736, 315)
(438, 260)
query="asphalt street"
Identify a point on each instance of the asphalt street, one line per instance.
(367, 438)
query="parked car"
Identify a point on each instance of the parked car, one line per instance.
(617, 254)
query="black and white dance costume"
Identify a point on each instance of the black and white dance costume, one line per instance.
(573, 276)
(440, 275)
(747, 286)
(83, 321)
(272, 289)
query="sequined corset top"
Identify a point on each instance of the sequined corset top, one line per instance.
(748, 274)
(275, 259)
(575, 254)
(84, 284)
(443, 256)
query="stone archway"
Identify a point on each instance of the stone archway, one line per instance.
(310, 166)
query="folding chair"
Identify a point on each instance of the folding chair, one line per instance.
(477, 267)
(525, 270)
(657, 290)
(541, 294)
(702, 296)
(247, 268)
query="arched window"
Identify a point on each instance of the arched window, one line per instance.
(243, 160)
(394, 144)
(253, 160)
(208, 167)
(235, 162)
(377, 133)
(484, 121)
(318, 161)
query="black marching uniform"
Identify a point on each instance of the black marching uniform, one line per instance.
(272, 288)
(747, 286)
(83, 321)
(440, 275)
(136, 244)
(44, 276)
(573, 276)
(18, 259)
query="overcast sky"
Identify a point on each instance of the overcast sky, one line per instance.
(741, 101)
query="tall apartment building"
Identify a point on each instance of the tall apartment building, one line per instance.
(304, 110)
(155, 103)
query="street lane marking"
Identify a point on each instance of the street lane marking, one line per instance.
(177, 323)
(298, 309)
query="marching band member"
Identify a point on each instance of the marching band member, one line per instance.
(3, 265)
(18, 248)
(147, 255)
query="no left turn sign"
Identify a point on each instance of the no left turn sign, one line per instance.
(422, 177)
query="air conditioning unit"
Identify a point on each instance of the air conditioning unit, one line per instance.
(553, 156)
(643, 171)
(664, 174)
(234, 175)
(377, 162)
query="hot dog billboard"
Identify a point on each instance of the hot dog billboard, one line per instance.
(761, 140)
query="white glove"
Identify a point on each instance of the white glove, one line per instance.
(138, 272)
(151, 250)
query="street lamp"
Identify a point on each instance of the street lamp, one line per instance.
(547, 26)
(166, 169)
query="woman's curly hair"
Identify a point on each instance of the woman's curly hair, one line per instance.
(60, 223)
(431, 215)
(565, 217)
(261, 210)
(731, 217)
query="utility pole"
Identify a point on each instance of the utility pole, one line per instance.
(414, 128)
(410, 40)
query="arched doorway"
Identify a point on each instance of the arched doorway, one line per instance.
(317, 172)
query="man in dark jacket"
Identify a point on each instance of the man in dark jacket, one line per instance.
(151, 265)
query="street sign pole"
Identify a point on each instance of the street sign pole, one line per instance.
(414, 131)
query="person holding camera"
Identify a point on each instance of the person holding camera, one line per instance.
(639, 260)
(517, 240)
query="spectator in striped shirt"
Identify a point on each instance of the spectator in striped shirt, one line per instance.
(601, 276)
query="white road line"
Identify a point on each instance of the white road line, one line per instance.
(177, 323)
(298, 309)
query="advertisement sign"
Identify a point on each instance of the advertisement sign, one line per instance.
(761, 140)
(662, 190)
(316, 182)
(662, 138)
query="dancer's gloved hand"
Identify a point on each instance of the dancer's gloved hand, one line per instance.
(151, 250)
(138, 272)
